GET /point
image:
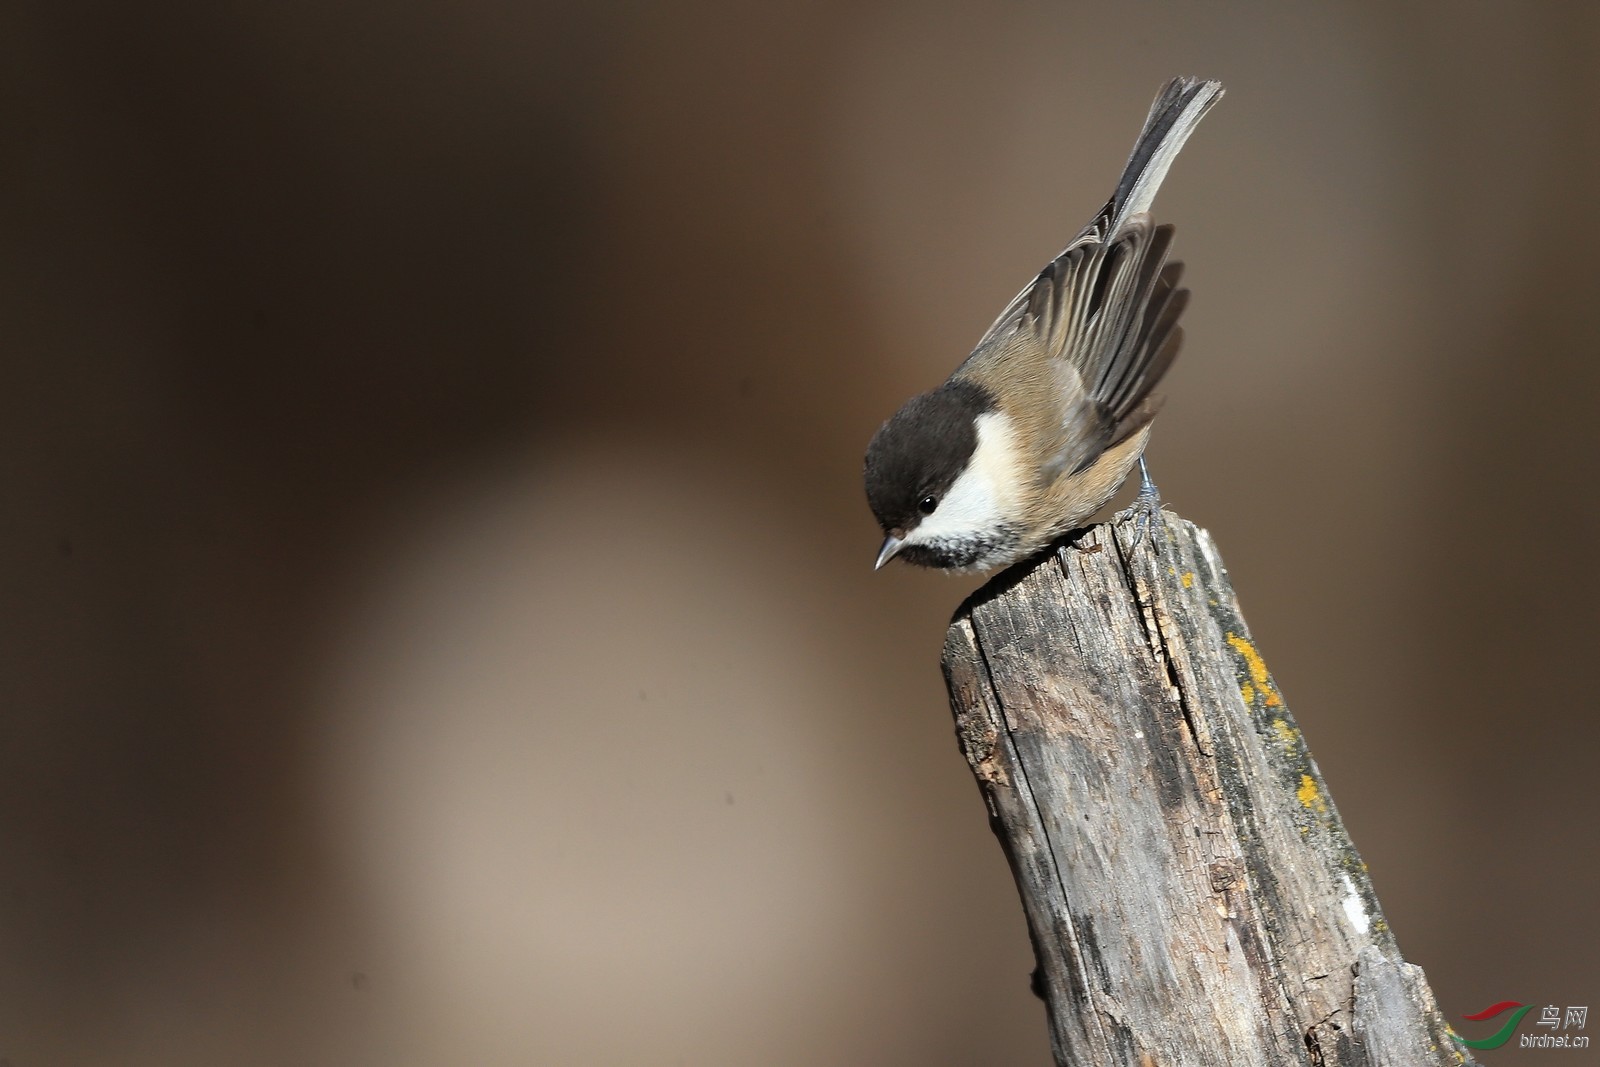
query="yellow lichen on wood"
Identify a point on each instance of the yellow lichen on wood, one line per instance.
(1257, 668)
(1286, 733)
(1311, 796)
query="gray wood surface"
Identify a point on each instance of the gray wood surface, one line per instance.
(1191, 894)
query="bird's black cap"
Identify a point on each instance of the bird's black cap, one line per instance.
(922, 451)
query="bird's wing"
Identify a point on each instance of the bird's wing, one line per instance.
(1095, 332)
(1099, 324)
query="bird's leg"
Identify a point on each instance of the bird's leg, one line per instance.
(1146, 506)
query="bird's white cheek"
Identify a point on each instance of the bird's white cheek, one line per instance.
(983, 498)
(970, 507)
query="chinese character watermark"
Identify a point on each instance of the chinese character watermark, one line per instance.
(1551, 1017)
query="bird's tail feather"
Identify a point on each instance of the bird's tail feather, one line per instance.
(1173, 116)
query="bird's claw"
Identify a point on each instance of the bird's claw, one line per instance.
(1146, 506)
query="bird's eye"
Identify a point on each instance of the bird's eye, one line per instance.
(927, 504)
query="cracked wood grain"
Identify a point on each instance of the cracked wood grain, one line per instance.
(1190, 891)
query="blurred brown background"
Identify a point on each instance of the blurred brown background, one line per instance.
(438, 617)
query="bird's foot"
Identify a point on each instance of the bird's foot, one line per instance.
(1146, 507)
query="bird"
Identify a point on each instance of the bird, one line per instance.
(1047, 417)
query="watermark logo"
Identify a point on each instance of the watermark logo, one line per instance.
(1561, 1026)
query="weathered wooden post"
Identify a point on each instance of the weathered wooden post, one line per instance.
(1192, 896)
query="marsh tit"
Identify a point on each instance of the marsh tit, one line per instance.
(1041, 424)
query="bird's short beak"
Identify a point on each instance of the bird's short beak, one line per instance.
(891, 547)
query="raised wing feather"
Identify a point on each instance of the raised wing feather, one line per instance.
(1099, 325)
